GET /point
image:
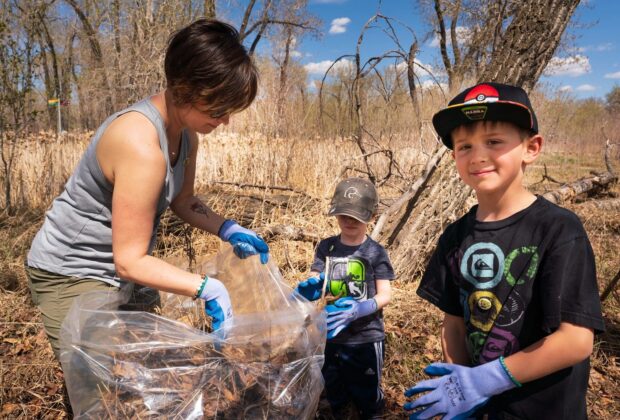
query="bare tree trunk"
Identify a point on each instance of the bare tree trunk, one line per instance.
(263, 26)
(443, 49)
(116, 29)
(209, 9)
(529, 42)
(95, 48)
(70, 72)
(246, 19)
(282, 91)
(49, 87)
(413, 50)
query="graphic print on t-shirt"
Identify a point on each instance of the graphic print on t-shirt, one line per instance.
(346, 277)
(530, 251)
(483, 265)
(493, 307)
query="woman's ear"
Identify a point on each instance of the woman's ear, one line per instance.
(533, 146)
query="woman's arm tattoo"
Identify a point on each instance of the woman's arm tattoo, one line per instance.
(200, 209)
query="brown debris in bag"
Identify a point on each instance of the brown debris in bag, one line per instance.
(257, 380)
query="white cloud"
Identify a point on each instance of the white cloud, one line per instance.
(566, 88)
(576, 50)
(321, 67)
(312, 84)
(296, 54)
(430, 84)
(401, 67)
(318, 68)
(605, 47)
(462, 33)
(339, 25)
(615, 75)
(585, 88)
(574, 66)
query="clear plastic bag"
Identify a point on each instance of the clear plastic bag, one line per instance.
(134, 354)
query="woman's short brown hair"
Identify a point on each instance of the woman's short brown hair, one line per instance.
(206, 63)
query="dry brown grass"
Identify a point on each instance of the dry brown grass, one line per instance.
(31, 381)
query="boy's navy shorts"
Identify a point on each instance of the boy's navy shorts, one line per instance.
(352, 373)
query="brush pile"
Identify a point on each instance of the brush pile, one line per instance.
(133, 355)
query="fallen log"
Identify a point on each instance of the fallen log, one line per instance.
(263, 187)
(568, 191)
(605, 205)
(595, 183)
(288, 232)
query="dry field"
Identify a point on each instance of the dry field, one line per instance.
(31, 382)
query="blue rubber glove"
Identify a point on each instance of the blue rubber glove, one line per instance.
(346, 310)
(459, 391)
(217, 302)
(245, 243)
(312, 287)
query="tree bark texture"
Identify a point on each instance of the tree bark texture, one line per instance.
(529, 42)
(209, 9)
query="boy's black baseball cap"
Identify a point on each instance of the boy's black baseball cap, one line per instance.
(486, 101)
(354, 197)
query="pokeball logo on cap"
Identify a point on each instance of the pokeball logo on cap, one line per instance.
(482, 94)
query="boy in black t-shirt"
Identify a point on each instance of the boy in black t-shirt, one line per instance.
(360, 273)
(515, 277)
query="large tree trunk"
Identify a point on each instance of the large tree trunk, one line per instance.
(529, 42)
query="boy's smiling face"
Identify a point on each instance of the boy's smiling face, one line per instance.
(491, 156)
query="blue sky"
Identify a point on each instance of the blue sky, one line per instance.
(589, 69)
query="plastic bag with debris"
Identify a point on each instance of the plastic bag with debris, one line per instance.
(135, 354)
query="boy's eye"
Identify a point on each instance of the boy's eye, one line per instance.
(463, 147)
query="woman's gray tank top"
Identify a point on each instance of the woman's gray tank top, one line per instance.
(76, 237)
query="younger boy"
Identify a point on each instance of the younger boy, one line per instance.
(355, 333)
(515, 277)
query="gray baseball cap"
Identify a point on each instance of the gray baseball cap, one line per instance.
(354, 197)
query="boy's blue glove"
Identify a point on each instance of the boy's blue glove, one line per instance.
(217, 302)
(245, 243)
(346, 310)
(312, 287)
(459, 391)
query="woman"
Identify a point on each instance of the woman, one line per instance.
(101, 230)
